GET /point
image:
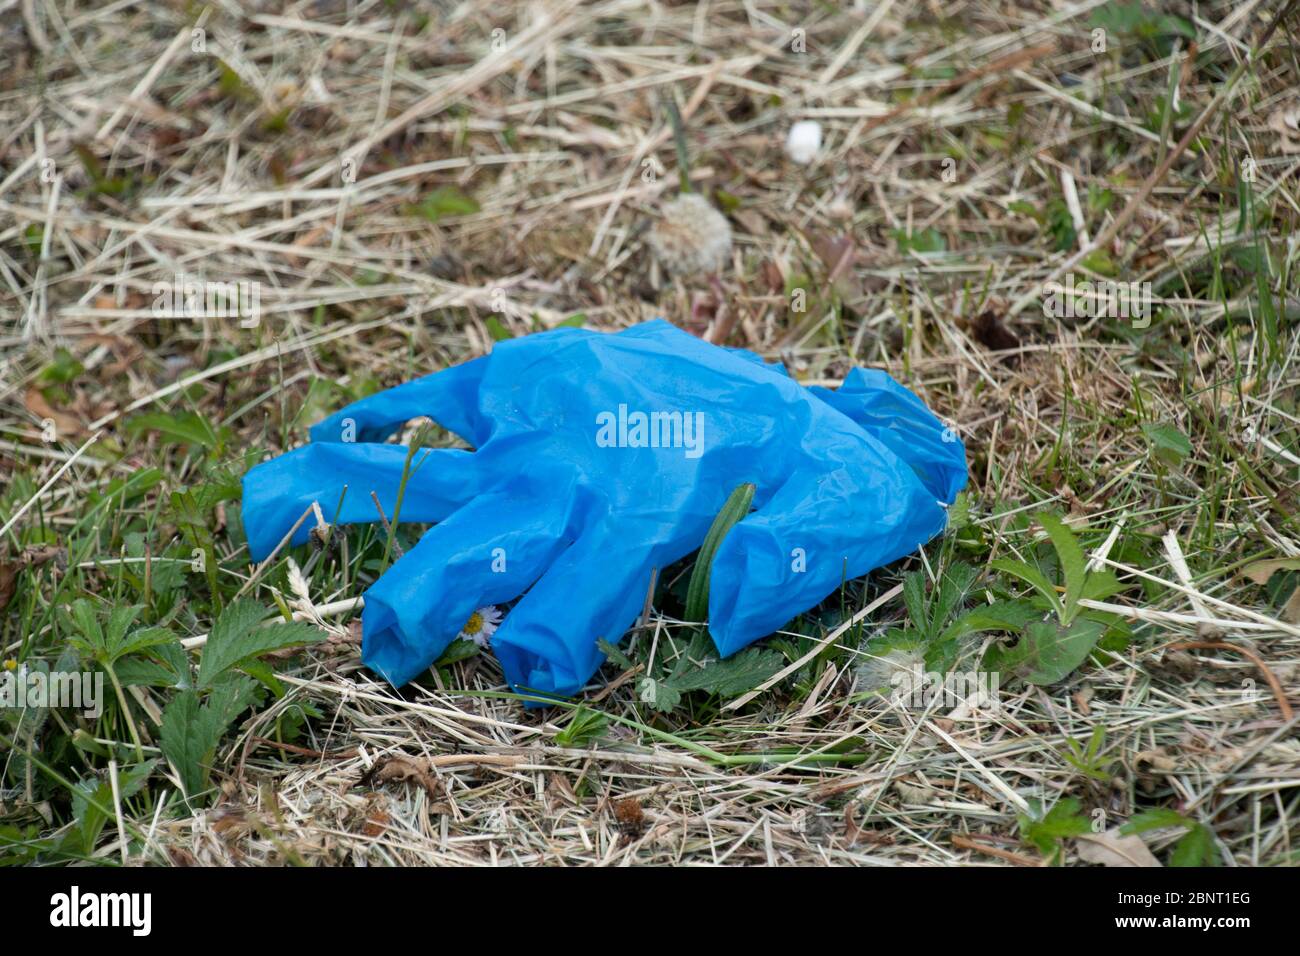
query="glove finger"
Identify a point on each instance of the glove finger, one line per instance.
(595, 590)
(900, 421)
(488, 552)
(277, 492)
(449, 397)
(822, 527)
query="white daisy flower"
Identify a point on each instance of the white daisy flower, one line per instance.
(482, 624)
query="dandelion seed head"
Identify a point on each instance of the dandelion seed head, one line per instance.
(691, 237)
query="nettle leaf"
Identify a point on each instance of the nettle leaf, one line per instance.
(261, 672)
(914, 600)
(1045, 831)
(615, 654)
(142, 672)
(953, 585)
(114, 639)
(120, 619)
(143, 639)
(1046, 651)
(191, 731)
(659, 694)
(959, 512)
(698, 669)
(237, 637)
(732, 677)
(91, 635)
(896, 639)
(1003, 616)
(188, 738)
(1196, 848)
(166, 665)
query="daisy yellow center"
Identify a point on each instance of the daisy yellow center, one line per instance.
(474, 624)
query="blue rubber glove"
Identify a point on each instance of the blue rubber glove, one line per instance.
(599, 459)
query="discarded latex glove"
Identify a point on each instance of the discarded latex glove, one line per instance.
(600, 458)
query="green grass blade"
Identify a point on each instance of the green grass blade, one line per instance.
(1074, 566)
(697, 592)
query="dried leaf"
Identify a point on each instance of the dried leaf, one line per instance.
(32, 557)
(1111, 849)
(8, 582)
(377, 818)
(36, 555)
(1261, 571)
(230, 824)
(66, 424)
(773, 277)
(402, 769)
(1285, 121)
(1291, 610)
(990, 332)
(838, 254)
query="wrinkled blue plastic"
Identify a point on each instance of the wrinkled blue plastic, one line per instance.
(559, 502)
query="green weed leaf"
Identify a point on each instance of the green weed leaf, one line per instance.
(1031, 576)
(1073, 563)
(442, 202)
(237, 637)
(184, 428)
(1046, 652)
(697, 593)
(191, 731)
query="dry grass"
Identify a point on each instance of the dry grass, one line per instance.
(563, 140)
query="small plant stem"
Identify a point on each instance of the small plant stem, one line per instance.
(397, 506)
(126, 712)
(679, 141)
